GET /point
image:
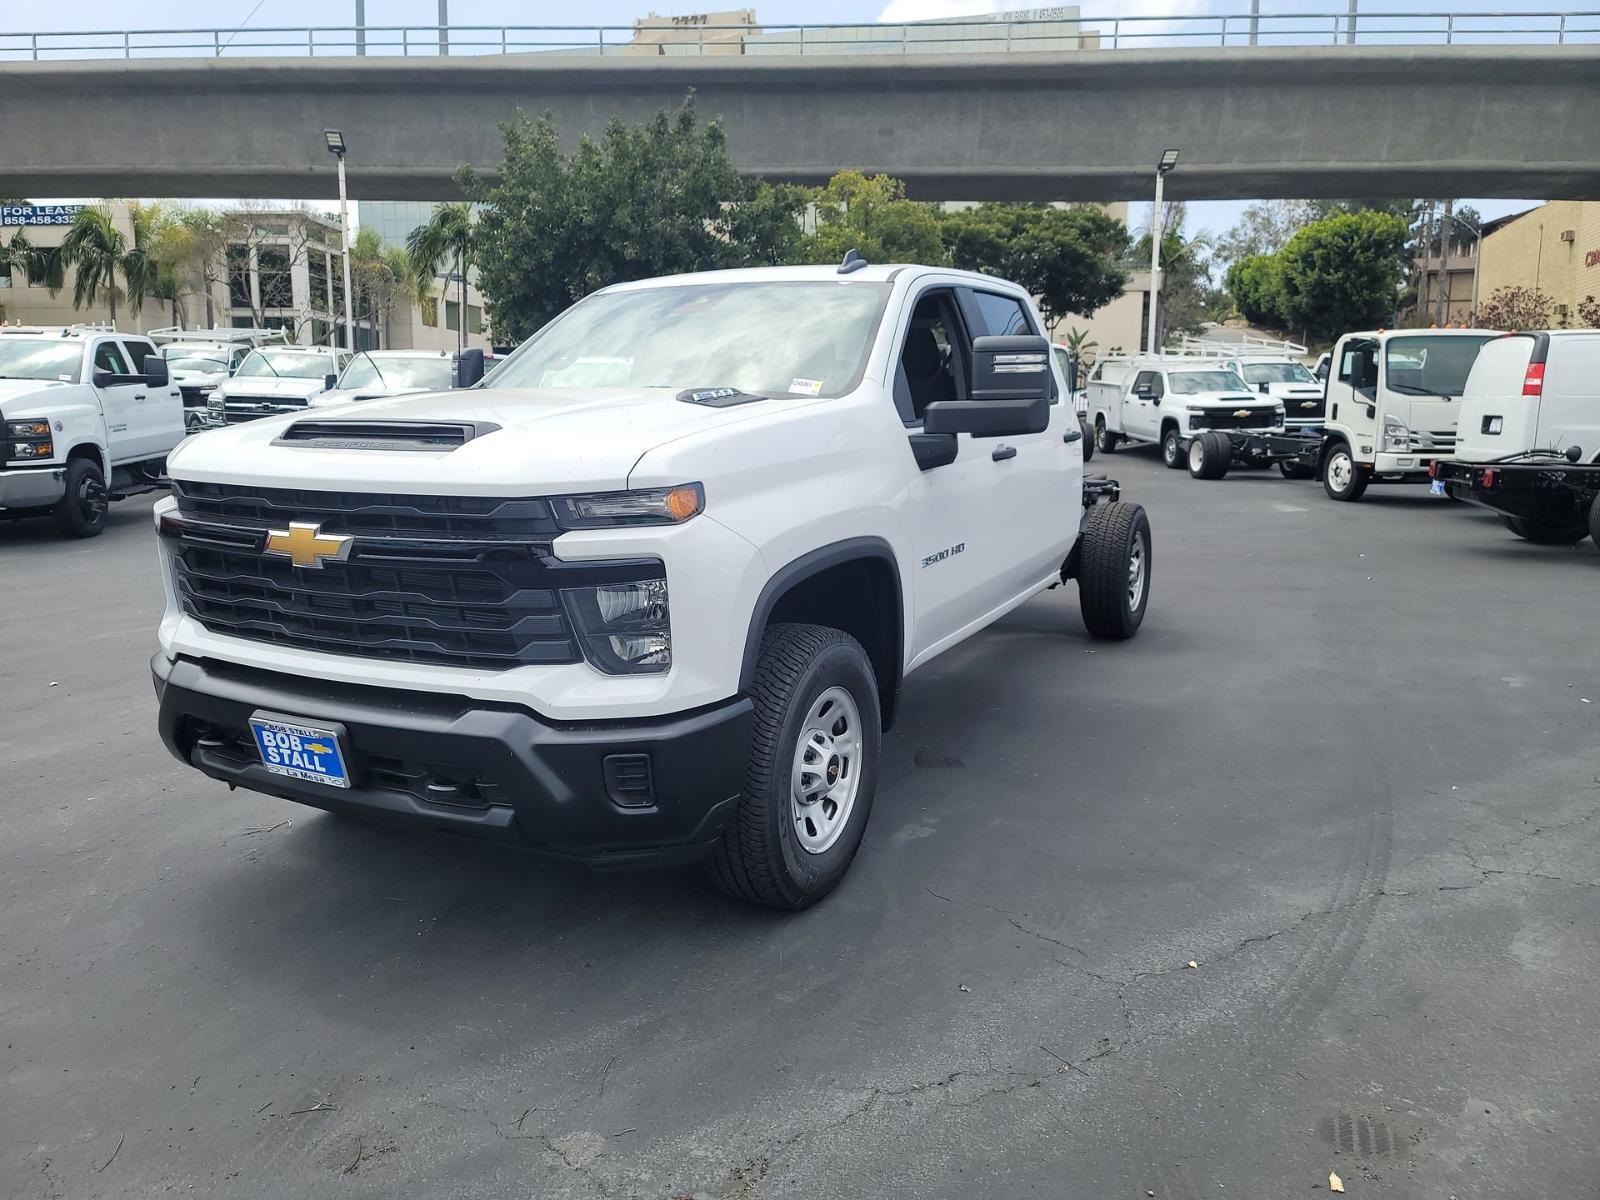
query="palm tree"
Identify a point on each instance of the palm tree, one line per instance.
(1080, 345)
(448, 234)
(40, 262)
(94, 247)
(141, 268)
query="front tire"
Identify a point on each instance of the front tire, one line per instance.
(1114, 570)
(1172, 449)
(81, 512)
(1549, 533)
(812, 774)
(1341, 478)
(1104, 440)
(1210, 455)
(1088, 439)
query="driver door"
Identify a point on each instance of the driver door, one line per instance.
(1353, 395)
(122, 399)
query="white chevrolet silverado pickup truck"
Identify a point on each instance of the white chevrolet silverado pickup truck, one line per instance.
(87, 416)
(649, 592)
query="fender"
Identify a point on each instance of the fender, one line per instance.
(814, 563)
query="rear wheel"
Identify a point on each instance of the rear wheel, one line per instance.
(81, 513)
(813, 770)
(1114, 570)
(1210, 455)
(1594, 520)
(1172, 448)
(1341, 478)
(1293, 469)
(1088, 439)
(1104, 440)
(1549, 533)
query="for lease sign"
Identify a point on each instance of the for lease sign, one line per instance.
(38, 214)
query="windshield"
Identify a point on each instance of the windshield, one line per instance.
(1430, 365)
(1187, 383)
(771, 339)
(28, 359)
(193, 360)
(1284, 372)
(436, 373)
(286, 364)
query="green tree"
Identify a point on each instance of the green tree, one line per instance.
(448, 236)
(1080, 345)
(873, 216)
(39, 262)
(1264, 228)
(1514, 308)
(94, 247)
(1068, 258)
(1343, 273)
(1256, 285)
(658, 198)
(1187, 295)
(141, 268)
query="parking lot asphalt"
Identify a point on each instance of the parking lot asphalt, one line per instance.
(1300, 880)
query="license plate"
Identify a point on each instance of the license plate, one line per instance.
(298, 750)
(1437, 487)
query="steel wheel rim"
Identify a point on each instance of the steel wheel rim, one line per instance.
(1197, 455)
(825, 777)
(1170, 449)
(91, 498)
(1136, 573)
(1339, 471)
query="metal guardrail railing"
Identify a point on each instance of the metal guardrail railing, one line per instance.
(975, 36)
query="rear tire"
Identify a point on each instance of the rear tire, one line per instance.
(1104, 440)
(81, 513)
(1545, 533)
(1088, 439)
(1341, 478)
(1594, 520)
(1210, 455)
(816, 719)
(1291, 469)
(1114, 570)
(1172, 448)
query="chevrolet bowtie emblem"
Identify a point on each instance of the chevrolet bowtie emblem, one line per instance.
(306, 547)
(1309, 404)
(1241, 413)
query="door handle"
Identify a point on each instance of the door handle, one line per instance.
(138, 396)
(1001, 453)
(1072, 435)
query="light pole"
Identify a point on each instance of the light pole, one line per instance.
(1169, 159)
(336, 148)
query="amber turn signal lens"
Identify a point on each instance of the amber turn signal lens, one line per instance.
(683, 502)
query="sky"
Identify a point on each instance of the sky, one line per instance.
(1211, 216)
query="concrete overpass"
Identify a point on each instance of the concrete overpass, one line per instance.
(1330, 121)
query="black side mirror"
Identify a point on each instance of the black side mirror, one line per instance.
(1262, 388)
(329, 382)
(1010, 368)
(103, 379)
(469, 368)
(155, 371)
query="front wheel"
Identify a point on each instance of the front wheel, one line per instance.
(1114, 570)
(813, 770)
(1341, 479)
(81, 512)
(1548, 533)
(1172, 449)
(1104, 440)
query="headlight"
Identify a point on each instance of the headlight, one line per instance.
(624, 627)
(1396, 435)
(29, 440)
(656, 506)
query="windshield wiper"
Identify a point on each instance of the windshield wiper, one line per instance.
(1408, 390)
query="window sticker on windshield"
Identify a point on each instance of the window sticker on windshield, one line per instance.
(806, 387)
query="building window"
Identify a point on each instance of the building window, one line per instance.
(5, 279)
(452, 315)
(277, 286)
(474, 318)
(319, 283)
(36, 275)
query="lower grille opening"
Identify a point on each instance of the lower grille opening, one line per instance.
(628, 780)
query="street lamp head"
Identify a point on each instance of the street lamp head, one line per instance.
(335, 142)
(1169, 159)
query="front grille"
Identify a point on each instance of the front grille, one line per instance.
(1436, 441)
(446, 580)
(1223, 418)
(193, 397)
(238, 408)
(1305, 408)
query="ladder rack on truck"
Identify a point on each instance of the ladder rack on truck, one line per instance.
(248, 337)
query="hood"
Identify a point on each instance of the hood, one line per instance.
(18, 390)
(1235, 399)
(270, 385)
(346, 395)
(198, 378)
(545, 440)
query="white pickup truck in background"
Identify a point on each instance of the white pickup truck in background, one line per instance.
(1167, 400)
(88, 415)
(274, 380)
(200, 360)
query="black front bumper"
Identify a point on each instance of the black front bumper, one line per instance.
(652, 791)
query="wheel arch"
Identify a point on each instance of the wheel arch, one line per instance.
(93, 453)
(853, 585)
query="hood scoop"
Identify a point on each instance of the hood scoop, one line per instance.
(427, 436)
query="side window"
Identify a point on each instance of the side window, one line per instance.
(1003, 316)
(1358, 366)
(1158, 385)
(238, 357)
(932, 364)
(138, 351)
(108, 356)
(1143, 382)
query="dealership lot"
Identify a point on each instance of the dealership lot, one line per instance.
(1349, 769)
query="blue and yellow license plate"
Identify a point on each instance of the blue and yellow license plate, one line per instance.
(299, 750)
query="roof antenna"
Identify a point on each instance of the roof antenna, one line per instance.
(852, 262)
